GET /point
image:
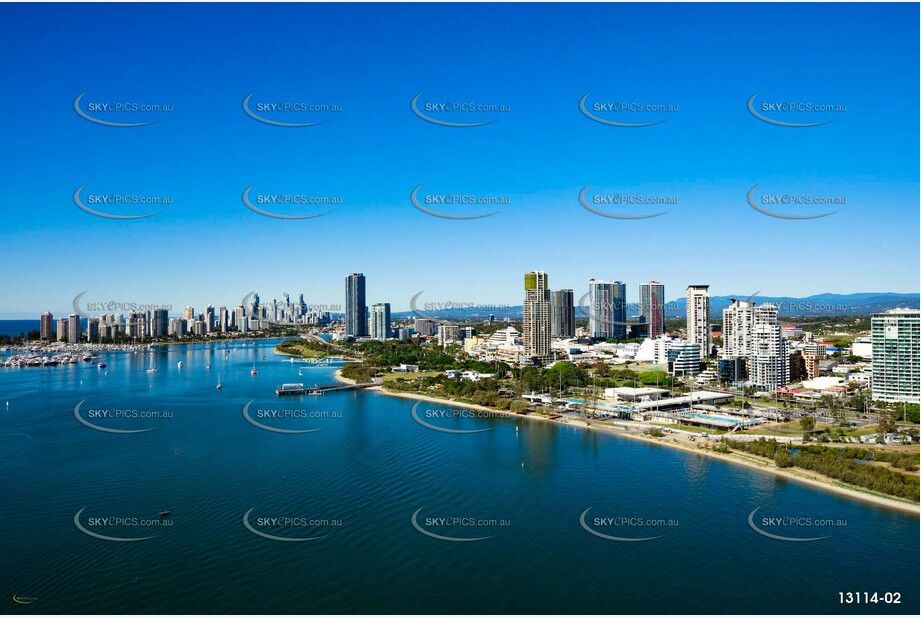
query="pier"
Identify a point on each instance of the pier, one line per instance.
(298, 388)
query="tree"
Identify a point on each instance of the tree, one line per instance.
(783, 459)
(807, 423)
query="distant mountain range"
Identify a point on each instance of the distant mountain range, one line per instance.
(863, 303)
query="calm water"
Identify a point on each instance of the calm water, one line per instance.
(14, 328)
(368, 470)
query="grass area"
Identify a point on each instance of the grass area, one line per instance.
(301, 348)
(393, 376)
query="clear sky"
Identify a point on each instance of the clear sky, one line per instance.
(540, 60)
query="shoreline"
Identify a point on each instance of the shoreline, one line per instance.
(750, 462)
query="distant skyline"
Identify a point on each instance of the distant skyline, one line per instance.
(208, 247)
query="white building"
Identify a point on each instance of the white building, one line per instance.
(698, 317)
(897, 355)
(769, 362)
(737, 328)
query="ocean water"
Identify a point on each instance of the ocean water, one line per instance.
(353, 486)
(14, 328)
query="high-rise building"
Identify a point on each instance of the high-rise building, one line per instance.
(188, 313)
(607, 317)
(136, 325)
(536, 315)
(209, 318)
(698, 312)
(449, 334)
(74, 328)
(380, 321)
(62, 329)
(92, 330)
(424, 326)
(737, 328)
(896, 356)
(160, 323)
(769, 359)
(683, 358)
(652, 307)
(562, 314)
(356, 310)
(47, 326)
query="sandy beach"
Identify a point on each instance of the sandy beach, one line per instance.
(750, 461)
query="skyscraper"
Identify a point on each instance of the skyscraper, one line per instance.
(92, 330)
(768, 361)
(562, 314)
(380, 321)
(698, 310)
(607, 317)
(47, 326)
(160, 323)
(536, 314)
(74, 328)
(737, 328)
(209, 318)
(896, 356)
(61, 334)
(424, 326)
(356, 310)
(652, 307)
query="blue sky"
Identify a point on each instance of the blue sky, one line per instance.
(372, 60)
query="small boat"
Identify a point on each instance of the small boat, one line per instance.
(152, 370)
(180, 364)
(164, 513)
(101, 365)
(219, 387)
(208, 366)
(254, 372)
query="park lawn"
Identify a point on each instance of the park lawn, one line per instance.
(409, 377)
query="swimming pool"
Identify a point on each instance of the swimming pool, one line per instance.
(725, 419)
